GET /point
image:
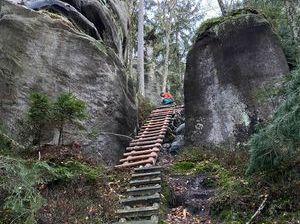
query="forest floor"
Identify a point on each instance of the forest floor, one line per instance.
(210, 186)
(186, 197)
(61, 187)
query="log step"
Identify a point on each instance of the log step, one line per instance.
(139, 212)
(148, 138)
(145, 181)
(151, 174)
(155, 128)
(141, 142)
(145, 200)
(150, 161)
(150, 133)
(147, 169)
(139, 191)
(157, 145)
(134, 158)
(142, 152)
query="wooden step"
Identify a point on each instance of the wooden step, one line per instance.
(158, 121)
(142, 152)
(150, 161)
(151, 133)
(157, 145)
(142, 142)
(139, 212)
(166, 106)
(145, 181)
(165, 124)
(147, 169)
(145, 200)
(148, 138)
(164, 127)
(159, 116)
(140, 157)
(150, 174)
(139, 191)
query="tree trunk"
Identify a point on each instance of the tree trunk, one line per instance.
(222, 7)
(166, 65)
(167, 21)
(291, 11)
(141, 48)
(60, 139)
(131, 35)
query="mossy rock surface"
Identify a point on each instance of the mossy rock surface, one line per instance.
(231, 17)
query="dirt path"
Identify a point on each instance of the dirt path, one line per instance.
(189, 201)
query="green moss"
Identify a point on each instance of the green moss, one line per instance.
(183, 167)
(219, 20)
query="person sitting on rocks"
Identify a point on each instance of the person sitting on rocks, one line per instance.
(167, 98)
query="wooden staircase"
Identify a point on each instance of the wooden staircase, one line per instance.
(141, 205)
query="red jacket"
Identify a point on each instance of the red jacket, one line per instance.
(167, 95)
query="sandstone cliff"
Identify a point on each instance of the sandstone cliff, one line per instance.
(231, 61)
(46, 52)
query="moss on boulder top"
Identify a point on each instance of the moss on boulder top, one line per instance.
(218, 23)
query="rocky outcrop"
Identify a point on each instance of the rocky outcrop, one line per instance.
(45, 52)
(230, 63)
(107, 20)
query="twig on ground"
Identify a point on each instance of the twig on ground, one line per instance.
(261, 207)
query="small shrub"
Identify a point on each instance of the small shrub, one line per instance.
(20, 178)
(38, 115)
(67, 109)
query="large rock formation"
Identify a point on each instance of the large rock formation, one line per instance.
(230, 62)
(107, 20)
(45, 52)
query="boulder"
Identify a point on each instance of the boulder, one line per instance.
(177, 144)
(46, 53)
(180, 129)
(231, 61)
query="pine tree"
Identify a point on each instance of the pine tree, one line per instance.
(279, 140)
(38, 115)
(67, 109)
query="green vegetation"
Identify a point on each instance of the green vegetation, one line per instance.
(284, 16)
(237, 195)
(276, 145)
(165, 199)
(20, 178)
(67, 109)
(219, 20)
(44, 115)
(38, 115)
